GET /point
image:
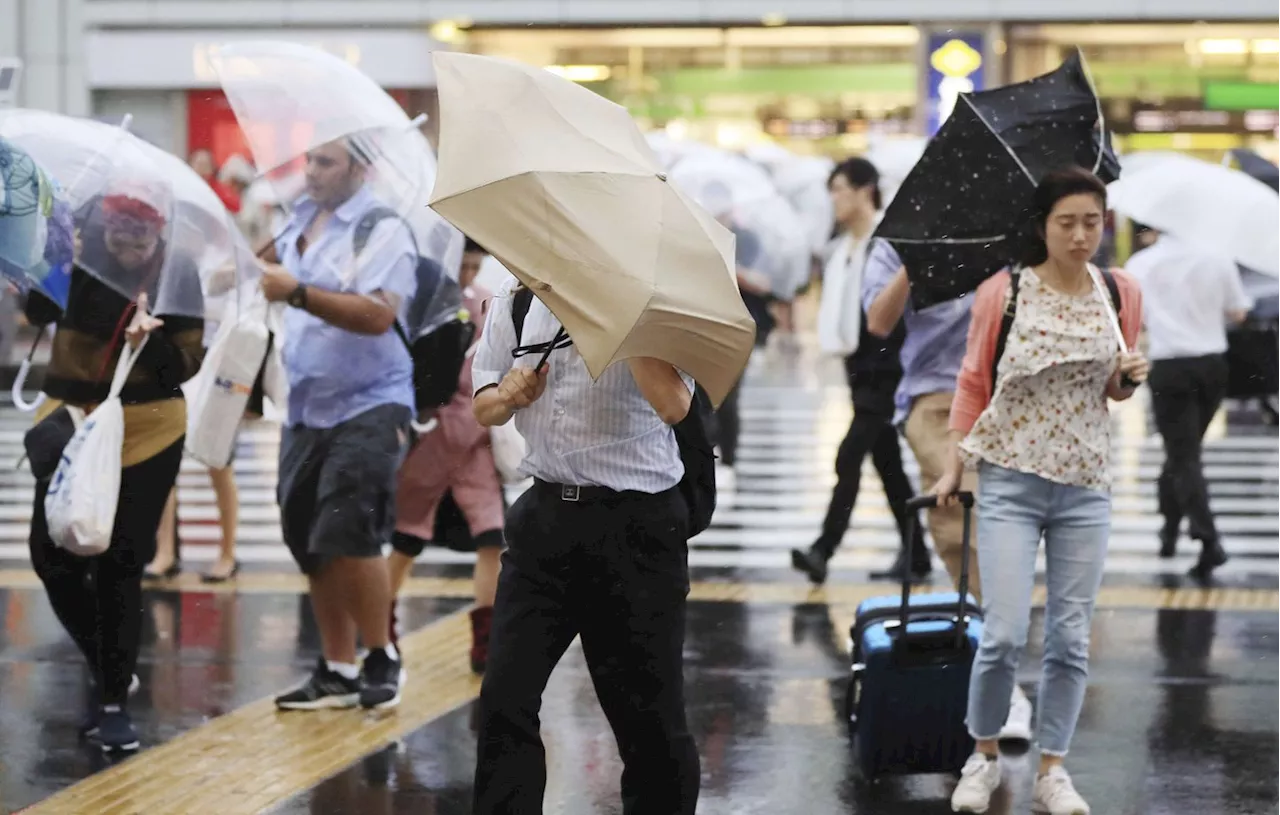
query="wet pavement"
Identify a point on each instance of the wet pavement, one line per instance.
(1181, 717)
(204, 656)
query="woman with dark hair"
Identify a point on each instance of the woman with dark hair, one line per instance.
(105, 620)
(874, 369)
(1030, 412)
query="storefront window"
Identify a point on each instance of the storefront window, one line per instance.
(812, 89)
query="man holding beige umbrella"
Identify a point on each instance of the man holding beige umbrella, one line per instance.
(627, 295)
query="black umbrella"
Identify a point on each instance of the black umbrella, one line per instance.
(964, 212)
(1252, 164)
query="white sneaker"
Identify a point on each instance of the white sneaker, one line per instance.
(1054, 794)
(1017, 727)
(726, 478)
(978, 780)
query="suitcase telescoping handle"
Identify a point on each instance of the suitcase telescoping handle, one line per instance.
(913, 507)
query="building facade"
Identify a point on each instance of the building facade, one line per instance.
(819, 75)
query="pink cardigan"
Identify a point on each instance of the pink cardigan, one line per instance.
(974, 385)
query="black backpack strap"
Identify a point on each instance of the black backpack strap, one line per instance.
(521, 300)
(360, 239)
(1113, 288)
(364, 227)
(1006, 325)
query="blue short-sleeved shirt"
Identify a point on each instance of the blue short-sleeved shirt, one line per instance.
(936, 337)
(334, 374)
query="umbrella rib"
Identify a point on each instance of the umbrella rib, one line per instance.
(999, 140)
(1097, 104)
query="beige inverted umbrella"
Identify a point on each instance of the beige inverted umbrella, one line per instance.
(561, 186)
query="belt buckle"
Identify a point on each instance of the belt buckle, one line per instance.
(569, 492)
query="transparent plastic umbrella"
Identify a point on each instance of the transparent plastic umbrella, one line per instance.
(292, 99)
(205, 231)
(123, 207)
(732, 188)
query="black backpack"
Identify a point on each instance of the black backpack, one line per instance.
(1011, 311)
(438, 355)
(698, 486)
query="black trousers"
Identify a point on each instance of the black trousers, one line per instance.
(613, 570)
(728, 426)
(1185, 395)
(871, 431)
(98, 600)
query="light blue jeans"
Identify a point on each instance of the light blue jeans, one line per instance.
(1014, 509)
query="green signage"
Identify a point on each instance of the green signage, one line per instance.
(1241, 96)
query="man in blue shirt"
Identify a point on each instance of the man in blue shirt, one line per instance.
(349, 407)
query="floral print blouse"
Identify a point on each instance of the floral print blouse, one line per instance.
(1048, 415)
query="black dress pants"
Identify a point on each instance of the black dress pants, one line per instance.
(728, 426)
(98, 599)
(871, 431)
(613, 569)
(1185, 395)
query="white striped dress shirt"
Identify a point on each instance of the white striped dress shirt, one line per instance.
(579, 432)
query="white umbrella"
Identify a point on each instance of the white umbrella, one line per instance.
(893, 159)
(1217, 208)
(290, 99)
(732, 187)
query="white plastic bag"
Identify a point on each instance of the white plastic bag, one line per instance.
(218, 394)
(80, 506)
(509, 450)
(275, 383)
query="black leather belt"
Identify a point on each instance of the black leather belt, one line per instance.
(573, 493)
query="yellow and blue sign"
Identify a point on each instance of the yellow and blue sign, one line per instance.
(955, 67)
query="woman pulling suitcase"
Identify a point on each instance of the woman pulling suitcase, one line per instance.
(1038, 429)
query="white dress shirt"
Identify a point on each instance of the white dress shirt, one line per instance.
(579, 432)
(1186, 294)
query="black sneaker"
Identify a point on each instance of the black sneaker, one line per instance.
(324, 690)
(380, 681)
(115, 730)
(93, 707)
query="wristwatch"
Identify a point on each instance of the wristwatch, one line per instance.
(298, 297)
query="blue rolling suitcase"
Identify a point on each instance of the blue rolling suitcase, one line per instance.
(910, 687)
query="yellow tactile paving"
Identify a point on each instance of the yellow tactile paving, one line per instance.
(1150, 597)
(254, 758)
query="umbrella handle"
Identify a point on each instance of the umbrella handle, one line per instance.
(18, 381)
(1114, 319)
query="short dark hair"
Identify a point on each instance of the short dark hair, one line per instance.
(1053, 187)
(472, 246)
(859, 173)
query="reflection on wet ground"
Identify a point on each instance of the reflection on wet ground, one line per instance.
(1180, 718)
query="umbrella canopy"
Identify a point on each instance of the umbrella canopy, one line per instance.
(291, 99)
(742, 195)
(1217, 208)
(802, 181)
(561, 186)
(894, 159)
(965, 210)
(205, 231)
(37, 236)
(1255, 166)
(123, 203)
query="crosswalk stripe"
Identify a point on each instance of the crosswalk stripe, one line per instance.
(783, 479)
